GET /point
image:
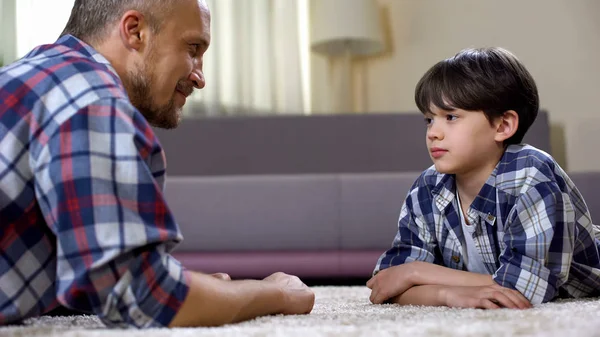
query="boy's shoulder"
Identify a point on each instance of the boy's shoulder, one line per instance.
(524, 166)
(520, 167)
(431, 180)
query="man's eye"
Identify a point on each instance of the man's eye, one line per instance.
(194, 47)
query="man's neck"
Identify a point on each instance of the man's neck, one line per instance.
(115, 54)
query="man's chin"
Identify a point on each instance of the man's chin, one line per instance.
(171, 122)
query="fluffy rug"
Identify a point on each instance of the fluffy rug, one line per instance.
(346, 311)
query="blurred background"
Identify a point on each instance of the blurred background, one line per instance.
(361, 56)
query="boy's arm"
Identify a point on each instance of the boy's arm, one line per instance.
(413, 241)
(539, 238)
(483, 297)
(396, 280)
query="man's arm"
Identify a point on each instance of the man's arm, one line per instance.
(113, 229)
(212, 301)
(97, 188)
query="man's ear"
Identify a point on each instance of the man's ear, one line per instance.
(506, 125)
(133, 30)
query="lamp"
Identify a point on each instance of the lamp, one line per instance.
(345, 28)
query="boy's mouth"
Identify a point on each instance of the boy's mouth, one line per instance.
(437, 152)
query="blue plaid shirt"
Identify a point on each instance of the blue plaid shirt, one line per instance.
(533, 229)
(83, 220)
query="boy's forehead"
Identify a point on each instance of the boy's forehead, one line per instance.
(434, 109)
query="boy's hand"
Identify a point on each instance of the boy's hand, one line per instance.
(483, 297)
(391, 282)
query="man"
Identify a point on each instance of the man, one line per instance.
(83, 221)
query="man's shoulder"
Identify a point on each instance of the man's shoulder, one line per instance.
(63, 68)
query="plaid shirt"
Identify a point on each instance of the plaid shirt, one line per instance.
(83, 220)
(533, 229)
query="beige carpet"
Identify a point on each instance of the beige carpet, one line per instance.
(346, 311)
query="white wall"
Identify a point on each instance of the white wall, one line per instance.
(557, 40)
(40, 22)
(7, 29)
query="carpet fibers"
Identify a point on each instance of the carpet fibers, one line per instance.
(346, 311)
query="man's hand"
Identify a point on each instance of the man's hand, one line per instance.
(483, 297)
(298, 296)
(391, 282)
(215, 299)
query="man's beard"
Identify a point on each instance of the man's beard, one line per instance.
(140, 82)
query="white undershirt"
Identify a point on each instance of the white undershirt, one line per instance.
(472, 258)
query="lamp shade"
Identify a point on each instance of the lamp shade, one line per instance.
(341, 26)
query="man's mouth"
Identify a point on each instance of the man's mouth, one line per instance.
(185, 90)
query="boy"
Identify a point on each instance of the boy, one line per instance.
(493, 223)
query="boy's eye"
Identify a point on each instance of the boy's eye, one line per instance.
(451, 117)
(428, 120)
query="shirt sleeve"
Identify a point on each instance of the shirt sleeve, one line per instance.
(413, 241)
(539, 238)
(113, 228)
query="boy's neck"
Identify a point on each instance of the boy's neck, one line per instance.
(469, 184)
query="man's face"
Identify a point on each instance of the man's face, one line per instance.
(172, 65)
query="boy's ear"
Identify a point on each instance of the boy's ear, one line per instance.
(506, 125)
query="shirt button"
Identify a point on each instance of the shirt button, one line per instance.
(456, 258)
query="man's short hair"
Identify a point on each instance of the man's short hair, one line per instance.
(90, 20)
(492, 80)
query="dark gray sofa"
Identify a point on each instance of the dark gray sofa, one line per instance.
(316, 196)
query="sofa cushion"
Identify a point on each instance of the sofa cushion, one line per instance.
(238, 213)
(588, 183)
(283, 144)
(370, 207)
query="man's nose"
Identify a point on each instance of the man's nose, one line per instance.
(197, 77)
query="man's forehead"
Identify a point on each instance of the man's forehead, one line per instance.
(192, 18)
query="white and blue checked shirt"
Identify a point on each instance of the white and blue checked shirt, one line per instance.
(534, 231)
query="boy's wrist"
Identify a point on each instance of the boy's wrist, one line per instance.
(442, 295)
(416, 273)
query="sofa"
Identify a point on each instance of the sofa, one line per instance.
(316, 196)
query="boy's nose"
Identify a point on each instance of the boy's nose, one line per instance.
(434, 132)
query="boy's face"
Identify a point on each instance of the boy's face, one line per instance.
(461, 142)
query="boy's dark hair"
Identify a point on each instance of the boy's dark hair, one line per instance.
(492, 80)
(91, 19)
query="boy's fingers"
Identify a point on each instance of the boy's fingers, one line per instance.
(521, 301)
(487, 304)
(370, 282)
(504, 300)
(376, 297)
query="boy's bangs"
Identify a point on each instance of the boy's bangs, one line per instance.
(431, 91)
(448, 87)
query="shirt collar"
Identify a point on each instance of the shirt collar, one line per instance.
(85, 49)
